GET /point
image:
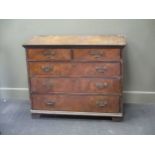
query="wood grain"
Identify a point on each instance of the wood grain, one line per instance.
(70, 69)
(97, 54)
(85, 103)
(43, 54)
(75, 85)
(76, 75)
(77, 40)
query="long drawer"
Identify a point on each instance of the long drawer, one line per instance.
(79, 103)
(75, 85)
(75, 69)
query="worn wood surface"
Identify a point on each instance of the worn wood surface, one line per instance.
(87, 54)
(78, 40)
(77, 79)
(87, 103)
(96, 54)
(44, 54)
(71, 69)
(74, 113)
(75, 85)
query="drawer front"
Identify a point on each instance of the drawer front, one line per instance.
(74, 69)
(79, 103)
(75, 85)
(108, 54)
(42, 54)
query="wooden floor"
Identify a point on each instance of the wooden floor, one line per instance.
(15, 119)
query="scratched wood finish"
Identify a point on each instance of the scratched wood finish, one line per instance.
(61, 69)
(109, 40)
(86, 103)
(43, 54)
(76, 85)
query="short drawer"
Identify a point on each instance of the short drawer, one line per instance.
(103, 54)
(42, 54)
(77, 103)
(78, 69)
(75, 85)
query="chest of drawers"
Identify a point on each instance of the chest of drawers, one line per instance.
(76, 75)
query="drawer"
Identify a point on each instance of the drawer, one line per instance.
(77, 103)
(52, 69)
(107, 54)
(75, 85)
(42, 54)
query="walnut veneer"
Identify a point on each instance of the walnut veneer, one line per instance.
(76, 75)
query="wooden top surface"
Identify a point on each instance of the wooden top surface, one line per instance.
(116, 40)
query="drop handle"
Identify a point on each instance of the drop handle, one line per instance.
(101, 69)
(47, 68)
(102, 85)
(101, 103)
(97, 54)
(50, 103)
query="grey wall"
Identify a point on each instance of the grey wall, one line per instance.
(139, 77)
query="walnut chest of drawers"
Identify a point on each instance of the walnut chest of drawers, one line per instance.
(76, 75)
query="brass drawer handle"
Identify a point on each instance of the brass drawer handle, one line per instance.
(102, 85)
(97, 54)
(50, 103)
(49, 52)
(101, 69)
(47, 69)
(101, 103)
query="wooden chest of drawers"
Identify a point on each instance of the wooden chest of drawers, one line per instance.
(76, 75)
